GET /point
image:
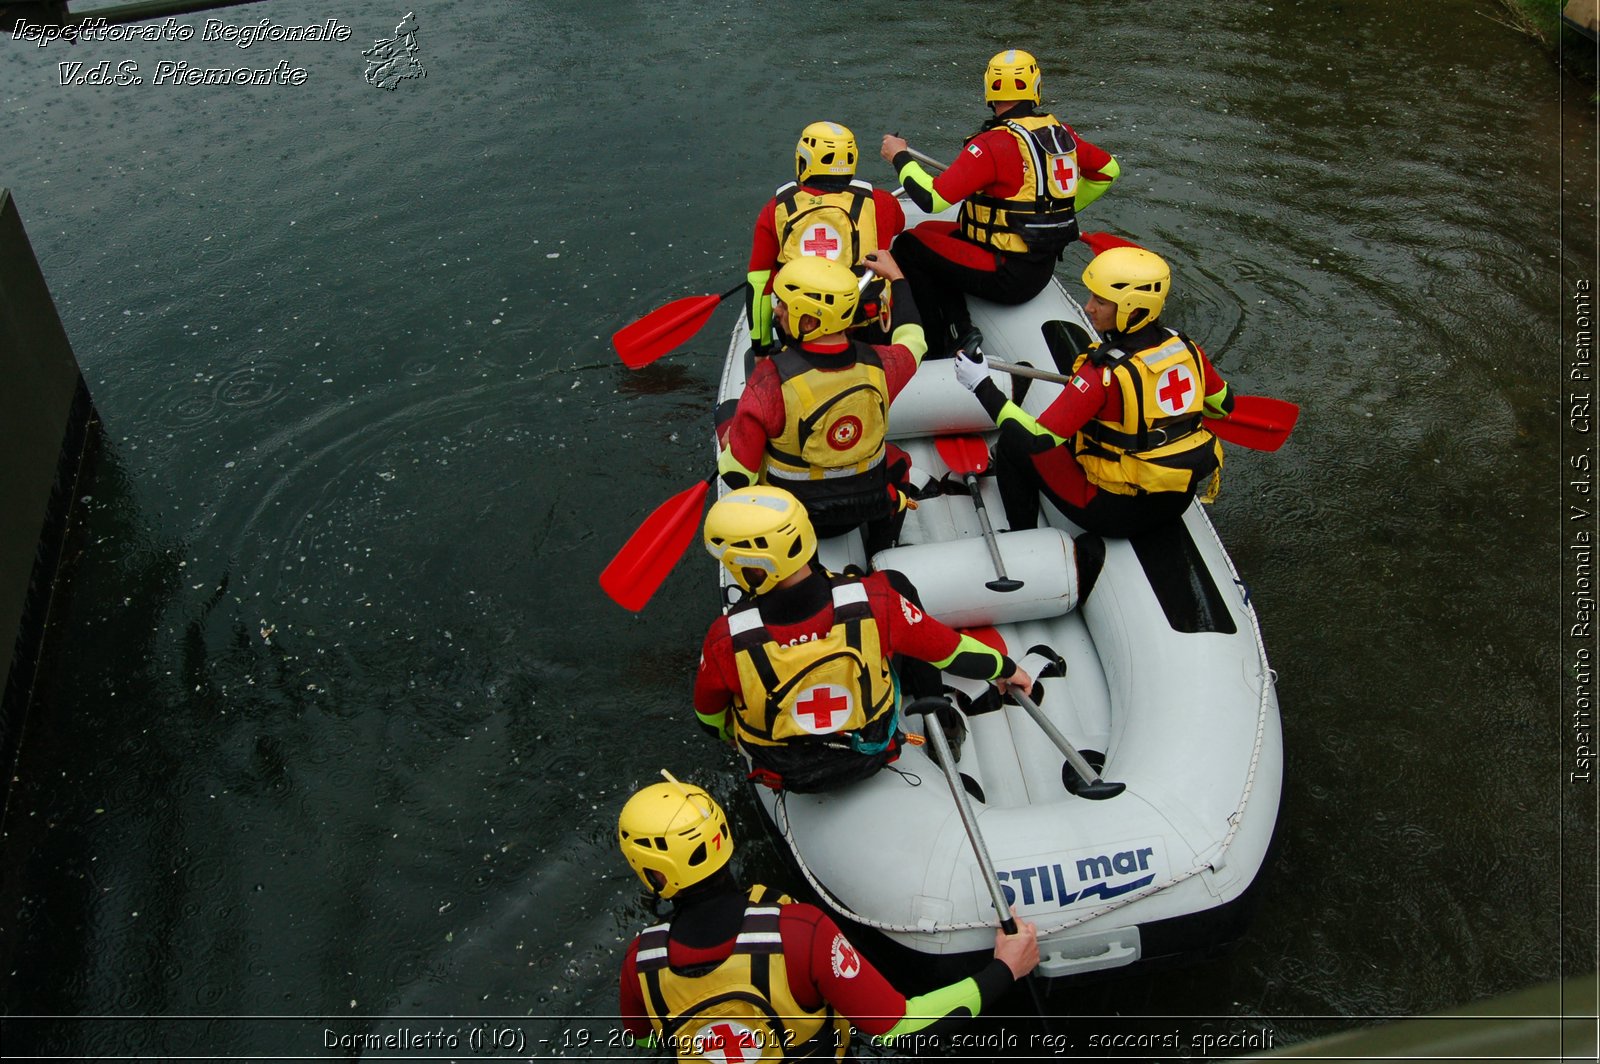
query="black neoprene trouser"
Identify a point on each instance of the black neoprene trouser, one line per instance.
(940, 286)
(1106, 513)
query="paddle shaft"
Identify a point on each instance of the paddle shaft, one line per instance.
(1028, 371)
(988, 529)
(1075, 759)
(947, 762)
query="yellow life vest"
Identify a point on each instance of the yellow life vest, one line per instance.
(741, 1008)
(834, 420)
(839, 225)
(822, 692)
(1040, 215)
(1160, 442)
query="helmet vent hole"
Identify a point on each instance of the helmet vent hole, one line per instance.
(699, 855)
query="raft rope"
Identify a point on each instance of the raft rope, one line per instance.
(1269, 681)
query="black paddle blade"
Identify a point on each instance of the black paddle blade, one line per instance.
(1101, 789)
(926, 705)
(1097, 790)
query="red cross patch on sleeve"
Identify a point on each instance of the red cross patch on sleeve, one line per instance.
(846, 961)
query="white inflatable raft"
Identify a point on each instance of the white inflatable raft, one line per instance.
(1166, 680)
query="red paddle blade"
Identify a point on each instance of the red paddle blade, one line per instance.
(642, 565)
(1258, 421)
(1099, 242)
(663, 329)
(963, 454)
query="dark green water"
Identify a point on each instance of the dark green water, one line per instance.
(335, 724)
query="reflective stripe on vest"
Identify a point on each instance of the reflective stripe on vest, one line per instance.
(779, 473)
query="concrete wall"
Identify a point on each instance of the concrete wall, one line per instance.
(46, 424)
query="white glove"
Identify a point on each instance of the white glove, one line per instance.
(972, 369)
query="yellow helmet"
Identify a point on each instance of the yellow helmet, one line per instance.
(673, 835)
(1012, 75)
(761, 535)
(1132, 278)
(823, 288)
(825, 148)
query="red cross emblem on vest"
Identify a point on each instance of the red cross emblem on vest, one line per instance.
(1061, 170)
(823, 708)
(1173, 395)
(727, 1041)
(845, 433)
(822, 241)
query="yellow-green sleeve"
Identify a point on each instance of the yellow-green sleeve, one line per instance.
(758, 307)
(1015, 415)
(918, 184)
(720, 722)
(1089, 191)
(1219, 403)
(731, 470)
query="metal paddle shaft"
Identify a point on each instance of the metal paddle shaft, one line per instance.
(1002, 582)
(929, 708)
(1093, 786)
(1028, 371)
(969, 456)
